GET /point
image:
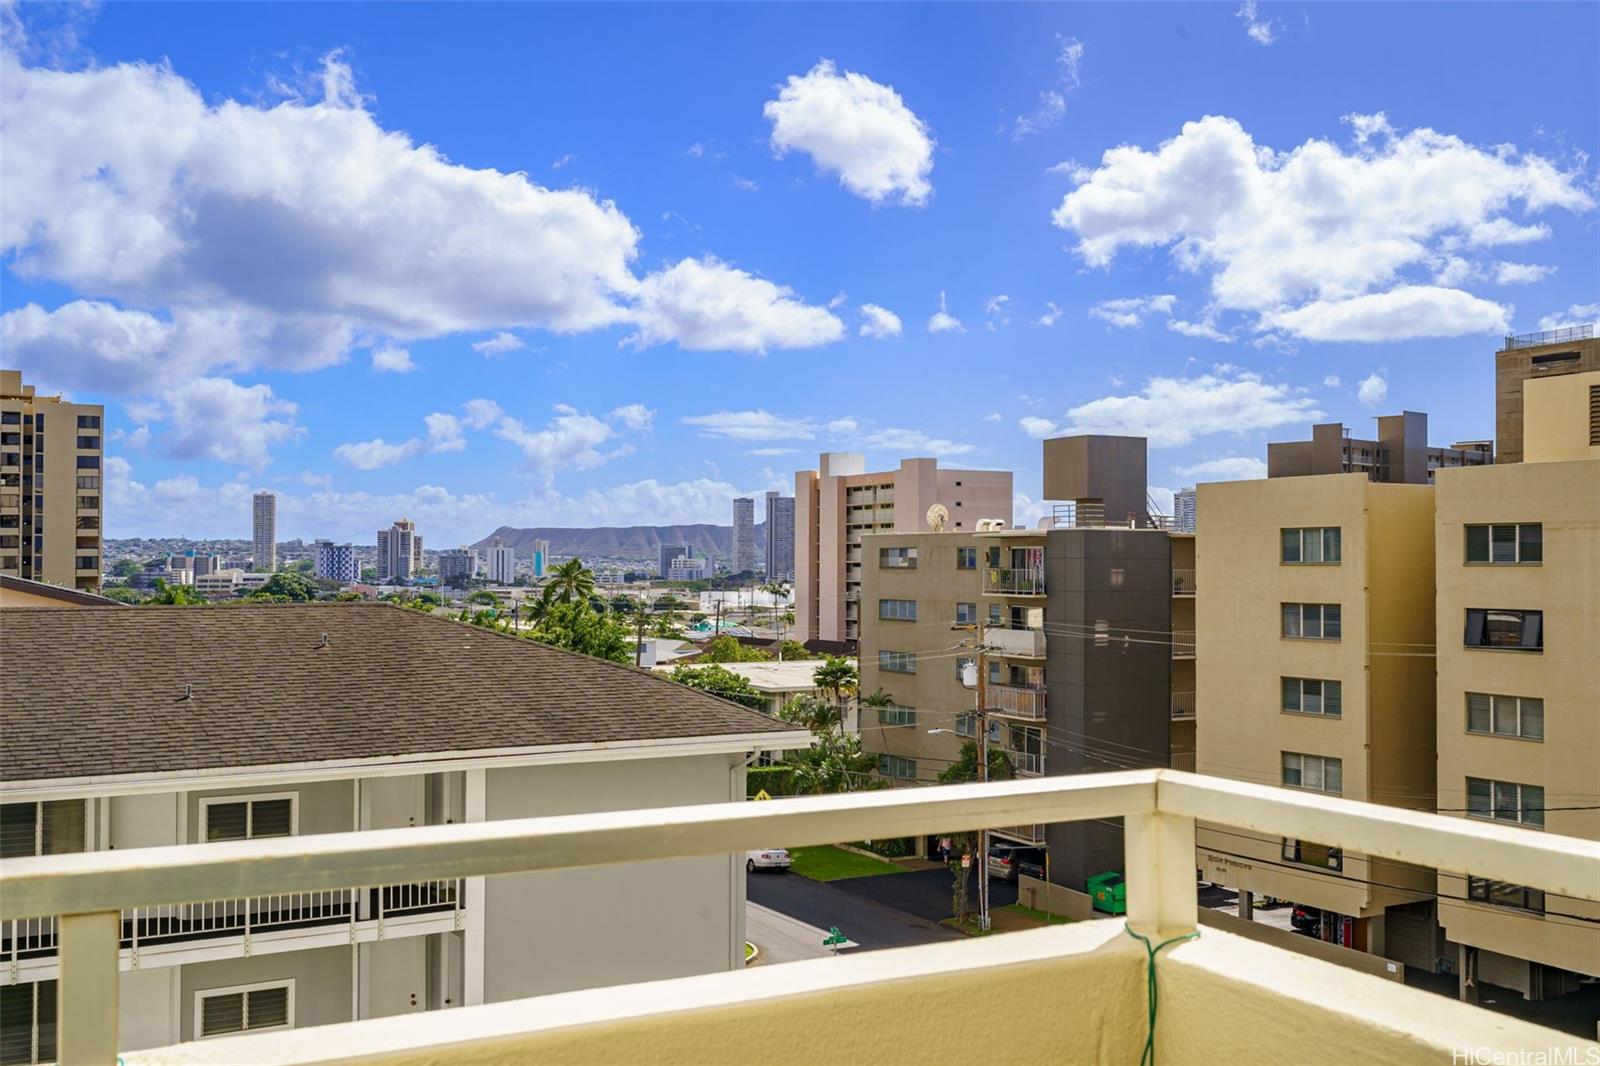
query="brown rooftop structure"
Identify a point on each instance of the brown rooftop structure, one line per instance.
(1399, 454)
(109, 691)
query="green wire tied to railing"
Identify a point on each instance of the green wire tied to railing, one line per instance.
(1148, 1056)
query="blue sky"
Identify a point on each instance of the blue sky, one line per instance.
(602, 264)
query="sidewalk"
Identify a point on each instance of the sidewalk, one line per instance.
(782, 938)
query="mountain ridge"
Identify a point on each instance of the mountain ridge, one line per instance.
(624, 542)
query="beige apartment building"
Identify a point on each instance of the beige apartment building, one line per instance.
(50, 512)
(1533, 357)
(1313, 628)
(1518, 549)
(840, 501)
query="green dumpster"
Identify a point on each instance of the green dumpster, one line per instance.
(1109, 891)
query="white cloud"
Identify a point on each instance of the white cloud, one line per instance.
(914, 442)
(993, 416)
(1174, 411)
(994, 308)
(481, 413)
(570, 440)
(1497, 231)
(879, 323)
(215, 418)
(1453, 271)
(705, 304)
(1373, 390)
(375, 453)
(562, 161)
(1261, 31)
(1205, 329)
(1576, 315)
(751, 425)
(390, 359)
(772, 451)
(1130, 311)
(1331, 381)
(1228, 468)
(1317, 224)
(1400, 314)
(1521, 273)
(1052, 313)
(1037, 428)
(843, 425)
(1026, 511)
(1052, 101)
(444, 432)
(499, 344)
(745, 184)
(634, 416)
(942, 321)
(854, 127)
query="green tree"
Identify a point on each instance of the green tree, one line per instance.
(878, 702)
(125, 568)
(299, 566)
(720, 681)
(288, 585)
(726, 649)
(837, 677)
(964, 769)
(793, 651)
(369, 575)
(485, 597)
(122, 594)
(180, 595)
(577, 627)
(571, 581)
(835, 761)
(348, 597)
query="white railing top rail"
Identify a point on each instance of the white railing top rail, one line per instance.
(116, 880)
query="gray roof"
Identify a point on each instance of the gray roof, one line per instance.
(99, 690)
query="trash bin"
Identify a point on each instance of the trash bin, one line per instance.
(1109, 891)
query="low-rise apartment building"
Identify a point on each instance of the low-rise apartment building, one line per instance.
(1399, 454)
(301, 719)
(1518, 549)
(1315, 625)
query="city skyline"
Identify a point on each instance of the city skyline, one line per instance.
(734, 236)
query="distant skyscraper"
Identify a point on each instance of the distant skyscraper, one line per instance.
(670, 552)
(744, 534)
(1183, 510)
(502, 563)
(399, 551)
(541, 557)
(334, 562)
(457, 564)
(780, 537)
(264, 533)
(66, 550)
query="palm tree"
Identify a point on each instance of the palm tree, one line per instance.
(571, 581)
(878, 701)
(836, 676)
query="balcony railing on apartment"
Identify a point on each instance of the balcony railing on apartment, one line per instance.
(1017, 701)
(1027, 763)
(1183, 581)
(1549, 336)
(1006, 582)
(709, 1016)
(1183, 706)
(1016, 643)
(1183, 644)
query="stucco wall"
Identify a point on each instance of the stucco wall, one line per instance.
(321, 989)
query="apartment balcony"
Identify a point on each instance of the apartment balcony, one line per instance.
(1183, 706)
(1027, 763)
(1015, 643)
(1017, 701)
(181, 933)
(1008, 582)
(1183, 581)
(1222, 998)
(1183, 644)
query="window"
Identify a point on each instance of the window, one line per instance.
(1317, 544)
(966, 558)
(967, 614)
(1506, 544)
(898, 610)
(894, 714)
(1306, 695)
(897, 558)
(244, 1009)
(897, 662)
(1311, 621)
(54, 827)
(88, 421)
(1315, 772)
(88, 481)
(1502, 894)
(88, 442)
(896, 767)
(28, 1023)
(246, 818)
(10, 418)
(1309, 854)
(1505, 716)
(1488, 627)
(88, 562)
(967, 726)
(88, 462)
(1505, 801)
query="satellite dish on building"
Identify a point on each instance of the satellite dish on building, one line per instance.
(938, 515)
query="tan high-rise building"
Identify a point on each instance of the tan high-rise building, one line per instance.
(399, 551)
(1518, 549)
(1530, 357)
(264, 532)
(1314, 616)
(51, 486)
(840, 501)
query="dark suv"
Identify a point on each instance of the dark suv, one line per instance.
(1006, 861)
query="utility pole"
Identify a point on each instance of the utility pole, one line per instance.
(638, 640)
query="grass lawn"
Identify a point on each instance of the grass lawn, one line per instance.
(828, 863)
(1006, 919)
(1038, 917)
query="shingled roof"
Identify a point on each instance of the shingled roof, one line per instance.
(101, 691)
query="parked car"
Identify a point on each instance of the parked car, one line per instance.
(767, 859)
(1008, 861)
(1306, 920)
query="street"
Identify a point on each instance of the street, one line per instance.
(824, 904)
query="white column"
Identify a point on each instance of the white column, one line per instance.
(1159, 858)
(475, 919)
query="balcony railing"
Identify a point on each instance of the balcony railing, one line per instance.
(1005, 582)
(1183, 644)
(1183, 706)
(1183, 581)
(1016, 643)
(675, 1019)
(1017, 701)
(1027, 763)
(1549, 336)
